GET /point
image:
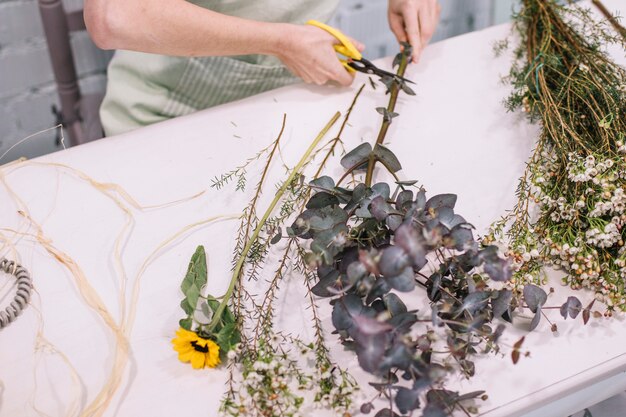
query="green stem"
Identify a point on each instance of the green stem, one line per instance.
(244, 254)
(395, 90)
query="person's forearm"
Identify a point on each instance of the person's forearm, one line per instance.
(178, 28)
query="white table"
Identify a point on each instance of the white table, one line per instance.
(455, 136)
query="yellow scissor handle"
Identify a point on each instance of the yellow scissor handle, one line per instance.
(345, 47)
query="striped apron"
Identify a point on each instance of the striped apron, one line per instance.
(147, 88)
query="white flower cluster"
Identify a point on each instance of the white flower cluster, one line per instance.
(586, 169)
(577, 224)
(275, 385)
(606, 238)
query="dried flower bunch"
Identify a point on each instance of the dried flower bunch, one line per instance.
(571, 207)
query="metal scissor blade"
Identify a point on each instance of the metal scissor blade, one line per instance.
(365, 66)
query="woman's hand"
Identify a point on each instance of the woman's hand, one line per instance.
(414, 21)
(308, 52)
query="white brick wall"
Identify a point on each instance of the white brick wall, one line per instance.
(27, 90)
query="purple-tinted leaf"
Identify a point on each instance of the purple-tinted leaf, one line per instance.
(356, 270)
(357, 155)
(370, 350)
(502, 303)
(534, 297)
(380, 288)
(536, 319)
(404, 282)
(587, 312)
(393, 261)
(380, 208)
(407, 400)
(404, 200)
(344, 311)
(571, 307)
(475, 302)
(461, 236)
(442, 200)
(385, 412)
(399, 356)
(433, 287)
(393, 222)
(277, 237)
(497, 268)
(382, 189)
(368, 326)
(322, 199)
(394, 304)
(408, 238)
(388, 158)
(367, 408)
(324, 183)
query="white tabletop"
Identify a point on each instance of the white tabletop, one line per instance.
(455, 136)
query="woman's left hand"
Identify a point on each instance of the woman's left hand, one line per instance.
(414, 21)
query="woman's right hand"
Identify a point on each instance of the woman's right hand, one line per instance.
(308, 52)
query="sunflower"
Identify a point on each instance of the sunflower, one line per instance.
(195, 349)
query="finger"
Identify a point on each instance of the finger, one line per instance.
(343, 77)
(396, 26)
(360, 46)
(411, 24)
(427, 26)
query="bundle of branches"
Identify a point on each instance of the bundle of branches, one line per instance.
(571, 208)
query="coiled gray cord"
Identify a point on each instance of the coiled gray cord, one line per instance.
(22, 297)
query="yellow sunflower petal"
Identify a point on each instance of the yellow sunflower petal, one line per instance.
(213, 355)
(197, 360)
(186, 356)
(186, 335)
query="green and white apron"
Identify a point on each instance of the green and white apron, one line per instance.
(148, 88)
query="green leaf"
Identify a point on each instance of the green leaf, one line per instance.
(186, 323)
(195, 280)
(388, 158)
(228, 337)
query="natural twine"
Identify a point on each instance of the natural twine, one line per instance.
(22, 297)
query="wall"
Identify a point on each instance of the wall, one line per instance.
(27, 90)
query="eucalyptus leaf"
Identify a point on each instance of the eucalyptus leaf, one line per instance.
(571, 307)
(536, 318)
(534, 297)
(380, 208)
(322, 199)
(393, 261)
(358, 155)
(441, 200)
(325, 183)
(394, 304)
(403, 282)
(407, 400)
(502, 303)
(388, 158)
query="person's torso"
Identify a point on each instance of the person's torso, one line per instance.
(146, 88)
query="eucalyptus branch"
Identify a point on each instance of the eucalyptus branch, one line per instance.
(395, 90)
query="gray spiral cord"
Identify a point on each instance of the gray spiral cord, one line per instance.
(24, 288)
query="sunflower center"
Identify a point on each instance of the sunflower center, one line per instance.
(198, 348)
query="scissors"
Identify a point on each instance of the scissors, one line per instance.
(354, 59)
